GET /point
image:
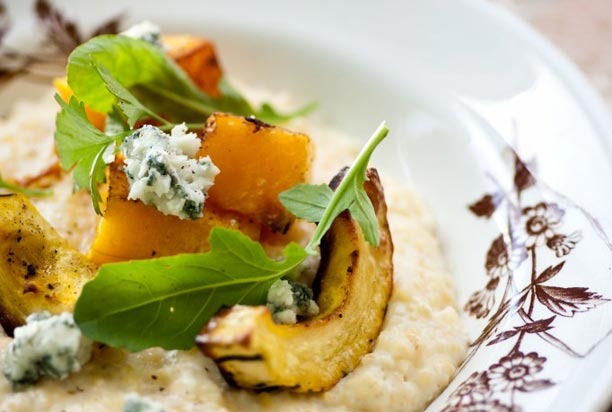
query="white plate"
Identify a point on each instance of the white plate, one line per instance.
(467, 90)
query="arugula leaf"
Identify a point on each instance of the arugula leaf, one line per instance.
(363, 212)
(81, 146)
(311, 203)
(145, 79)
(269, 114)
(164, 302)
(24, 191)
(131, 107)
(130, 61)
(115, 122)
(307, 201)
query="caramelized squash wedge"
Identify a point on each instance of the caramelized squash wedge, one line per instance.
(354, 285)
(132, 230)
(257, 162)
(198, 58)
(39, 270)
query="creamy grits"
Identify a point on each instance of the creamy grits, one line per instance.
(416, 354)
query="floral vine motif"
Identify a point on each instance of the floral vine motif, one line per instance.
(532, 230)
(61, 36)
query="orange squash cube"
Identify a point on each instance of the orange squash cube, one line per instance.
(257, 161)
(197, 57)
(132, 230)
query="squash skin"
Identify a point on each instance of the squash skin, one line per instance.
(257, 161)
(198, 58)
(132, 230)
(39, 270)
(355, 282)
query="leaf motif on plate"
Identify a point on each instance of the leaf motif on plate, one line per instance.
(486, 205)
(111, 26)
(537, 326)
(523, 179)
(568, 301)
(61, 31)
(549, 273)
(503, 336)
(537, 385)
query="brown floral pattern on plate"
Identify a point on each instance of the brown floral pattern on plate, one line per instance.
(532, 230)
(61, 35)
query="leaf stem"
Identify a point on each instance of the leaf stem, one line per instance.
(331, 212)
(181, 100)
(28, 192)
(190, 126)
(532, 296)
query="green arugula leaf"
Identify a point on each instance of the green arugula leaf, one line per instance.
(115, 122)
(81, 146)
(164, 302)
(146, 80)
(131, 62)
(24, 191)
(349, 195)
(363, 212)
(131, 107)
(307, 201)
(268, 114)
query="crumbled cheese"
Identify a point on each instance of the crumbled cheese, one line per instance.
(288, 299)
(145, 30)
(46, 345)
(136, 403)
(162, 172)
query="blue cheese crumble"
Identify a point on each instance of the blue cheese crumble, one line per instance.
(162, 171)
(288, 299)
(135, 403)
(46, 345)
(146, 31)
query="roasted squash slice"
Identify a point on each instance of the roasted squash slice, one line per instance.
(39, 270)
(132, 230)
(257, 162)
(355, 283)
(197, 57)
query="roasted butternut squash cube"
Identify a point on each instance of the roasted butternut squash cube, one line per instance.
(257, 161)
(39, 270)
(197, 57)
(354, 284)
(132, 230)
(63, 89)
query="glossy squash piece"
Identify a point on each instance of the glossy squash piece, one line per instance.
(257, 162)
(39, 270)
(132, 230)
(198, 58)
(355, 283)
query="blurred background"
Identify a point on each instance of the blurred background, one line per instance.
(582, 29)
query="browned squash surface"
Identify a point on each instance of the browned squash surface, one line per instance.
(39, 270)
(257, 162)
(355, 283)
(198, 58)
(132, 230)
